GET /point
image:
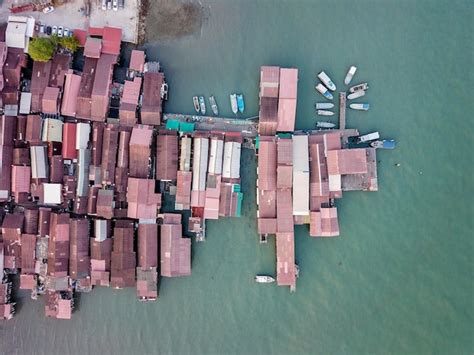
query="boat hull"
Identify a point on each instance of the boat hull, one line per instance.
(325, 113)
(358, 87)
(360, 107)
(323, 105)
(325, 125)
(350, 74)
(241, 103)
(326, 80)
(196, 104)
(202, 105)
(356, 95)
(233, 103)
(324, 91)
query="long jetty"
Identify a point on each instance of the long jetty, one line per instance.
(342, 110)
(248, 127)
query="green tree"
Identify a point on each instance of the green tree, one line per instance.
(41, 49)
(70, 43)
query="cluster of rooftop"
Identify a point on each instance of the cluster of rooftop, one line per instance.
(300, 174)
(82, 191)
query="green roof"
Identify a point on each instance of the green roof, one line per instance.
(172, 124)
(186, 127)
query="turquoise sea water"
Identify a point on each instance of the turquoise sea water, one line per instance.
(399, 278)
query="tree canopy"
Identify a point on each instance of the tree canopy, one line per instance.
(70, 43)
(41, 49)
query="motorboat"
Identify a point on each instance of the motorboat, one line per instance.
(368, 137)
(360, 107)
(202, 105)
(212, 102)
(325, 113)
(359, 87)
(323, 124)
(233, 103)
(264, 279)
(240, 103)
(196, 104)
(350, 73)
(326, 80)
(383, 144)
(324, 91)
(356, 95)
(323, 105)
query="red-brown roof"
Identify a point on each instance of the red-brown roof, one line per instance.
(166, 157)
(111, 40)
(347, 161)
(267, 160)
(71, 91)
(147, 245)
(143, 202)
(137, 60)
(50, 100)
(69, 141)
(151, 107)
(285, 250)
(175, 251)
(93, 47)
(21, 178)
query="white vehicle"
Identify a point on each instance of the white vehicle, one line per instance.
(323, 105)
(60, 31)
(356, 95)
(66, 32)
(324, 91)
(115, 5)
(109, 4)
(48, 9)
(104, 5)
(327, 81)
(360, 107)
(42, 29)
(350, 73)
(55, 30)
(358, 87)
(325, 113)
(368, 137)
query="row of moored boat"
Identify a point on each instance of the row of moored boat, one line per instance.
(237, 104)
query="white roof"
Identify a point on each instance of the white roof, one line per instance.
(231, 168)
(300, 153)
(83, 172)
(215, 156)
(100, 229)
(16, 33)
(25, 103)
(334, 182)
(300, 193)
(201, 152)
(39, 169)
(52, 130)
(83, 131)
(185, 155)
(52, 193)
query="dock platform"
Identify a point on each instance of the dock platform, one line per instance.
(248, 127)
(342, 110)
(363, 182)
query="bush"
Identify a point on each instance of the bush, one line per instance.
(70, 43)
(41, 49)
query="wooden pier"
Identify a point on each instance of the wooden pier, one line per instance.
(248, 127)
(342, 110)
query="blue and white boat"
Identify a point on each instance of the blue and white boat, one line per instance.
(240, 103)
(324, 91)
(384, 144)
(326, 80)
(323, 105)
(202, 104)
(360, 107)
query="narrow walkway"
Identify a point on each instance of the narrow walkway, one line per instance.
(342, 110)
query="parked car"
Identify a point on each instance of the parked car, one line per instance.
(42, 29)
(115, 5)
(49, 30)
(48, 9)
(121, 3)
(37, 27)
(66, 32)
(109, 4)
(55, 30)
(60, 31)
(104, 5)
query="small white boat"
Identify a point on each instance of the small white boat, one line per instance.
(350, 73)
(324, 91)
(322, 124)
(196, 104)
(212, 102)
(323, 105)
(360, 107)
(325, 113)
(368, 137)
(233, 103)
(356, 95)
(264, 279)
(327, 81)
(202, 104)
(358, 87)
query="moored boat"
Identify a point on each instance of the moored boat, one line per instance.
(384, 144)
(323, 124)
(202, 104)
(325, 113)
(233, 103)
(240, 103)
(213, 103)
(265, 279)
(368, 137)
(323, 105)
(327, 81)
(356, 95)
(360, 107)
(358, 87)
(196, 103)
(324, 91)
(350, 74)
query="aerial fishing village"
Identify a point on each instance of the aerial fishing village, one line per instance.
(87, 161)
